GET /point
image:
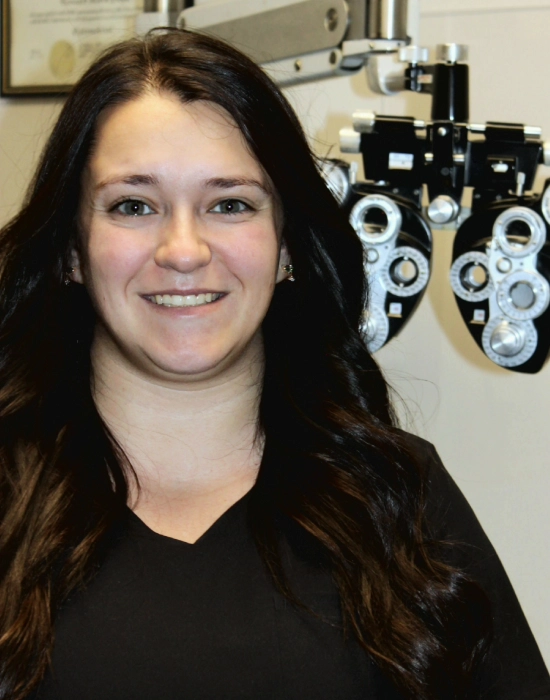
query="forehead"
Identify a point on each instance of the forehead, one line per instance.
(158, 130)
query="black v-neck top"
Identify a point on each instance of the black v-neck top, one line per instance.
(168, 620)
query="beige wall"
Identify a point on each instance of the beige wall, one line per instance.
(24, 127)
(491, 426)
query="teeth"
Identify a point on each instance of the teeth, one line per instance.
(181, 301)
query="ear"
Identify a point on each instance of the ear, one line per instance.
(284, 259)
(75, 274)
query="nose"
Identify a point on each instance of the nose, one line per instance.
(182, 246)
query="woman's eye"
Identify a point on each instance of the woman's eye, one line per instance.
(231, 206)
(133, 207)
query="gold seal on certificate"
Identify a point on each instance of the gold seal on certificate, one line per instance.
(62, 60)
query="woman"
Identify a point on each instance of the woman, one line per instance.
(204, 492)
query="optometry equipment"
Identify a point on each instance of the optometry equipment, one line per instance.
(500, 273)
(397, 243)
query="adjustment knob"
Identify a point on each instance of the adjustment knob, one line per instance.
(507, 339)
(363, 121)
(451, 53)
(404, 272)
(350, 140)
(443, 209)
(413, 54)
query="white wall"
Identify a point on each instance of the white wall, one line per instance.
(490, 425)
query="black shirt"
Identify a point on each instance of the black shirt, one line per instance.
(167, 620)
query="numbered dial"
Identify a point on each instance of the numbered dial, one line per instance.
(407, 272)
(470, 277)
(509, 343)
(375, 328)
(523, 295)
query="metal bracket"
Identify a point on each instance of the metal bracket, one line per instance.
(276, 34)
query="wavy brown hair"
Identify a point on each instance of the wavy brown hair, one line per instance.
(334, 460)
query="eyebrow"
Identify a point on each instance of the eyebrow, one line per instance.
(129, 180)
(213, 183)
(229, 182)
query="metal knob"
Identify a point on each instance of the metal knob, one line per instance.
(507, 339)
(363, 121)
(546, 153)
(504, 265)
(413, 54)
(443, 209)
(451, 53)
(404, 272)
(350, 140)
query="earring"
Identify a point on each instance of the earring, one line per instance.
(68, 273)
(289, 269)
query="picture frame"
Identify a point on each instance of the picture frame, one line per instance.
(46, 46)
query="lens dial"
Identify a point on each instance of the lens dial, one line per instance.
(376, 219)
(545, 204)
(375, 328)
(407, 272)
(523, 295)
(509, 343)
(470, 277)
(519, 232)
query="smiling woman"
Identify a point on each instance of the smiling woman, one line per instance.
(204, 493)
(179, 247)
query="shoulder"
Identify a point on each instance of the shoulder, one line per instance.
(446, 510)
(423, 452)
(514, 668)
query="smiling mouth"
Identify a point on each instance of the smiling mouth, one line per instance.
(182, 301)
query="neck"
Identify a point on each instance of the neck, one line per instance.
(189, 443)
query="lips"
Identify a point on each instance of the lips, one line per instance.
(182, 301)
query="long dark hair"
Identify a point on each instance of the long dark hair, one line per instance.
(334, 461)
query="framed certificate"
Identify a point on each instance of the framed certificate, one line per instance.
(47, 45)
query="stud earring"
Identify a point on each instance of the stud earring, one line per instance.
(68, 273)
(289, 269)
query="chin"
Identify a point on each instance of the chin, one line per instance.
(190, 365)
(186, 369)
(191, 368)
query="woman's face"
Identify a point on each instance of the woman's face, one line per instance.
(180, 249)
